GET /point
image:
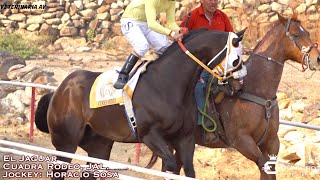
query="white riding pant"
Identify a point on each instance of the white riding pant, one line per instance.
(142, 38)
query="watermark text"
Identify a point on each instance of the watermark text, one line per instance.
(23, 6)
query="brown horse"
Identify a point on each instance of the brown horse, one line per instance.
(251, 118)
(163, 101)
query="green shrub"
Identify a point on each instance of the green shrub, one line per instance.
(91, 35)
(107, 44)
(15, 44)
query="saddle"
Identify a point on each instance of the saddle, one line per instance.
(217, 91)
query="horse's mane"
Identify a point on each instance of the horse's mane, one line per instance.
(175, 44)
(185, 39)
(294, 17)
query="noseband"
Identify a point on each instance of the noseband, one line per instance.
(304, 50)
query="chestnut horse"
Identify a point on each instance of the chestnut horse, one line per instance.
(163, 101)
(251, 118)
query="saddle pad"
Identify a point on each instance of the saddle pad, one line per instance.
(103, 93)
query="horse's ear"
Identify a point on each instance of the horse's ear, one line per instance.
(282, 19)
(241, 33)
(235, 41)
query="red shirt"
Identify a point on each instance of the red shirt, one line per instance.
(198, 20)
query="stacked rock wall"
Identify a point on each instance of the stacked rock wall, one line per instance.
(97, 22)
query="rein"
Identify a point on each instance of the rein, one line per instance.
(235, 73)
(184, 49)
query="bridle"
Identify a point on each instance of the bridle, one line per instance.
(304, 50)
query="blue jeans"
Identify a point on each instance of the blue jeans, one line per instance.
(199, 92)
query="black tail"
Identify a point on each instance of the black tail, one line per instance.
(41, 113)
(152, 161)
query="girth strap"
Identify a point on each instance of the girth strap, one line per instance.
(268, 104)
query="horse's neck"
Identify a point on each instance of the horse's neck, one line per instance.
(272, 44)
(175, 74)
(263, 75)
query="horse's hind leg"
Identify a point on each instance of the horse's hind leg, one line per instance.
(66, 134)
(96, 146)
(158, 145)
(62, 143)
(248, 147)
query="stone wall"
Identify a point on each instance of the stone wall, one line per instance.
(259, 16)
(88, 19)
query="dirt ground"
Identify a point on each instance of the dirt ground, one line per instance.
(209, 163)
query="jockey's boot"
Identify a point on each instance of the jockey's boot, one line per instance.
(124, 73)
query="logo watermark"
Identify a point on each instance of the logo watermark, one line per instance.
(267, 166)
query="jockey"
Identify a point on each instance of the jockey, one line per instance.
(140, 27)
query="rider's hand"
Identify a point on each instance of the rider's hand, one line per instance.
(178, 36)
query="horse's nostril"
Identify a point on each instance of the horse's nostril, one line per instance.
(318, 60)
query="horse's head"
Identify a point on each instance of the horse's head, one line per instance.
(231, 65)
(220, 53)
(298, 43)
(231, 69)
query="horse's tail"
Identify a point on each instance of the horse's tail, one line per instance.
(152, 161)
(41, 113)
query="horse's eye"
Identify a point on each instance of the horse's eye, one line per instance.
(235, 62)
(296, 35)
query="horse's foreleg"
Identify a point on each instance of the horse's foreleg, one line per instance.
(178, 160)
(179, 163)
(270, 148)
(185, 151)
(159, 146)
(247, 146)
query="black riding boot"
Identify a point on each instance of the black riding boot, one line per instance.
(124, 73)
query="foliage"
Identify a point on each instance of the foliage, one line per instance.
(15, 44)
(91, 35)
(107, 44)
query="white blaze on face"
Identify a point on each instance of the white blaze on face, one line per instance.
(301, 28)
